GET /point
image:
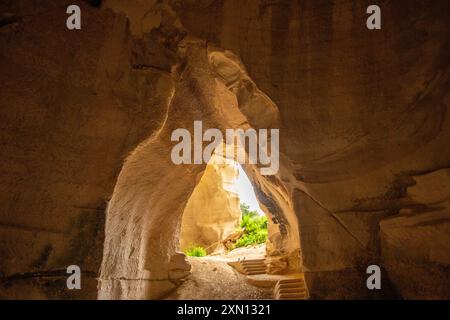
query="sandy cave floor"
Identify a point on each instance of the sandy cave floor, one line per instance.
(213, 279)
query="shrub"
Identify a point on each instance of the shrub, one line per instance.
(245, 210)
(254, 226)
(195, 251)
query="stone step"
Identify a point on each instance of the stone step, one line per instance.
(249, 267)
(291, 289)
(254, 267)
(290, 285)
(254, 272)
(258, 263)
(253, 263)
(282, 296)
(293, 298)
(299, 279)
(253, 260)
(270, 280)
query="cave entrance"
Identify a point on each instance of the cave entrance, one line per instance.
(222, 226)
(145, 225)
(223, 213)
(141, 255)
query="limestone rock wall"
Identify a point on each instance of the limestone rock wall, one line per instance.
(212, 212)
(362, 114)
(414, 243)
(144, 215)
(71, 110)
(363, 119)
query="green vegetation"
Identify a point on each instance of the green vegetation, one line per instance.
(195, 251)
(254, 226)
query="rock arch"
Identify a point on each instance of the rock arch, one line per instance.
(144, 215)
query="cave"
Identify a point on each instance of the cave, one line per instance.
(88, 117)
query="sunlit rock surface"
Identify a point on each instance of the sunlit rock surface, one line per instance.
(212, 212)
(86, 117)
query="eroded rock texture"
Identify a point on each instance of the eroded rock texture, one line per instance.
(363, 118)
(212, 212)
(362, 113)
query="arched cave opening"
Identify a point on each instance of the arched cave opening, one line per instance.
(87, 117)
(221, 225)
(212, 221)
(141, 256)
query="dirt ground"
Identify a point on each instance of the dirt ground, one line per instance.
(213, 279)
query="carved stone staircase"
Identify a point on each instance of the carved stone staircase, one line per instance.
(285, 287)
(291, 289)
(250, 266)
